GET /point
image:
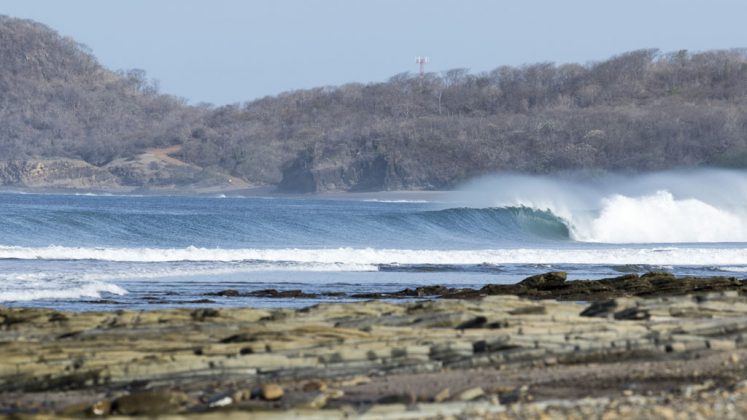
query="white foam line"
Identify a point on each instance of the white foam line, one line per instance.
(91, 290)
(363, 257)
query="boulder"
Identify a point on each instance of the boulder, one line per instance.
(546, 281)
(271, 392)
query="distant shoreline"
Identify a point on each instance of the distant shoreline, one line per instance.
(264, 191)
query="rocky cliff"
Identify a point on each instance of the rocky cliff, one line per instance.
(121, 175)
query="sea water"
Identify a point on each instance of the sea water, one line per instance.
(101, 252)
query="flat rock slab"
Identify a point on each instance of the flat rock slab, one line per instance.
(497, 352)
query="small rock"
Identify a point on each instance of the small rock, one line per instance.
(515, 395)
(314, 385)
(741, 387)
(443, 395)
(676, 347)
(355, 381)
(75, 409)
(101, 408)
(715, 344)
(242, 395)
(734, 358)
(335, 394)
(666, 413)
(470, 394)
(545, 281)
(318, 402)
(271, 392)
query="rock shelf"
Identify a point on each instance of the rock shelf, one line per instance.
(497, 356)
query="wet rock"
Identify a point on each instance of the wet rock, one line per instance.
(272, 293)
(423, 291)
(547, 281)
(373, 295)
(201, 301)
(225, 293)
(554, 285)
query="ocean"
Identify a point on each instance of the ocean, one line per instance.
(105, 252)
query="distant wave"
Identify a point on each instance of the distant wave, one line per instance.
(361, 259)
(377, 200)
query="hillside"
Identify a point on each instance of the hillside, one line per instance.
(69, 122)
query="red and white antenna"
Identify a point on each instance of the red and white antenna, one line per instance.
(422, 61)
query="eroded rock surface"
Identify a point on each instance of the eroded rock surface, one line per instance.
(499, 355)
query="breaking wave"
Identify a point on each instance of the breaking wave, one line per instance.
(668, 207)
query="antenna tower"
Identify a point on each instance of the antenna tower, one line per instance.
(422, 61)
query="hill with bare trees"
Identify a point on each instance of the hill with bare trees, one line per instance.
(69, 122)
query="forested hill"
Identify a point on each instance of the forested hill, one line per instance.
(69, 122)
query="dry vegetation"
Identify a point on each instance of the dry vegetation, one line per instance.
(642, 110)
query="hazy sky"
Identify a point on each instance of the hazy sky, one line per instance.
(224, 51)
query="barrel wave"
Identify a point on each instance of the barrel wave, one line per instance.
(694, 206)
(489, 224)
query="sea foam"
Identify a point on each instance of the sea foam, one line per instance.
(365, 259)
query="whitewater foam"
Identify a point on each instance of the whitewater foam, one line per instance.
(365, 259)
(661, 218)
(57, 290)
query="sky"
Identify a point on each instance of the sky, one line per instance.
(227, 51)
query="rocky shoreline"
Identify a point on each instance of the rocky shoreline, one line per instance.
(646, 350)
(552, 285)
